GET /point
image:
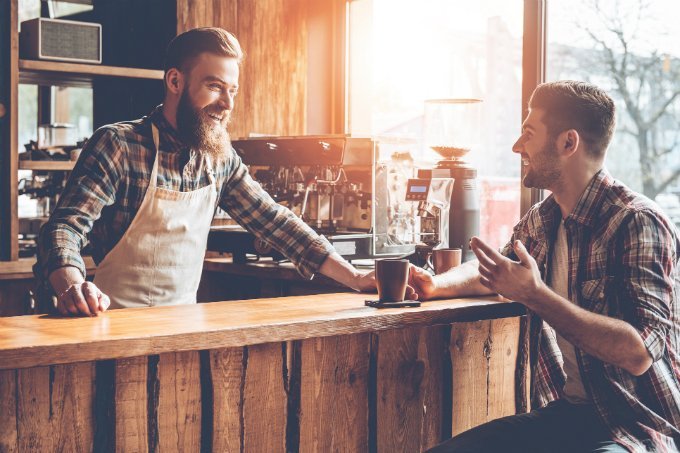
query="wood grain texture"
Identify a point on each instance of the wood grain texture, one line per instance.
(8, 405)
(227, 377)
(334, 396)
(484, 359)
(131, 404)
(145, 331)
(409, 388)
(504, 334)
(55, 407)
(469, 359)
(179, 408)
(264, 399)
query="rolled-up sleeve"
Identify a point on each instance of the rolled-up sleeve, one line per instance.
(648, 262)
(249, 205)
(91, 186)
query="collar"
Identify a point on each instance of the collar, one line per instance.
(168, 134)
(587, 209)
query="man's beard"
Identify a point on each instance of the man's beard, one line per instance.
(200, 132)
(543, 171)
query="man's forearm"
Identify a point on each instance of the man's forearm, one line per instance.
(337, 268)
(62, 278)
(460, 281)
(611, 340)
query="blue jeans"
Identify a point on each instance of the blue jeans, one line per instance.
(558, 427)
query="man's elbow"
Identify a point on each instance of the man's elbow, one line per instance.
(638, 365)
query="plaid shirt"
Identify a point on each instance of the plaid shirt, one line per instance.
(623, 263)
(109, 181)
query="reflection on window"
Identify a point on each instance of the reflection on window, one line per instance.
(403, 52)
(628, 47)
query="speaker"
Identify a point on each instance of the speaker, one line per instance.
(61, 40)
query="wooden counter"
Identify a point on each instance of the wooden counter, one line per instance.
(312, 373)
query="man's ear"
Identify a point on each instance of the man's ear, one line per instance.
(568, 142)
(174, 81)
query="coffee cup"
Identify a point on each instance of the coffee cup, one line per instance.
(391, 276)
(444, 259)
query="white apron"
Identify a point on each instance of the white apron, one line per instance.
(159, 259)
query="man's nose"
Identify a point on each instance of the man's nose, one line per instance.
(227, 101)
(517, 147)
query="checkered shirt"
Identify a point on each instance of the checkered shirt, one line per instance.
(623, 263)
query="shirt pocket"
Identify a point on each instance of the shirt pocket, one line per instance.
(594, 294)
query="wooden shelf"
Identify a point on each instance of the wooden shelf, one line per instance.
(66, 165)
(37, 71)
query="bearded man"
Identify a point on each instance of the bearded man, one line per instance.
(144, 193)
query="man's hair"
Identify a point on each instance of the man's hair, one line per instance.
(184, 48)
(570, 104)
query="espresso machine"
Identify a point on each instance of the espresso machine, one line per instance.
(336, 184)
(452, 129)
(433, 197)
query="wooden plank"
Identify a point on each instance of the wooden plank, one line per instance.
(274, 75)
(73, 407)
(34, 430)
(23, 268)
(227, 377)
(409, 387)
(146, 331)
(65, 165)
(264, 399)
(179, 405)
(88, 70)
(484, 358)
(55, 407)
(469, 359)
(504, 345)
(334, 394)
(8, 411)
(131, 405)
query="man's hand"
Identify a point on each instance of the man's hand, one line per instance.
(365, 282)
(82, 299)
(516, 280)
(421, 284)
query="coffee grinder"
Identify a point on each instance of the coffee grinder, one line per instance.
(452, 129)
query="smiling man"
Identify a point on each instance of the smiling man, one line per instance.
(144, 193)
(597, 267)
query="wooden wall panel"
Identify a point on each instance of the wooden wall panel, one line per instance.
(226, 374)
(503, 357)
(179, 403)
(334, 398)
(273, 82)
(131, 404)
(264, 399)
(8, 404)
(55, 408)
(483, 357)
(409, 388)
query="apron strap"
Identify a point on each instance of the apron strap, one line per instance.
(154, 171)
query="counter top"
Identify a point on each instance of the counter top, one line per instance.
(38, 340)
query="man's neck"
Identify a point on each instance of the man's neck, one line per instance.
(570, 188)
(170, 114)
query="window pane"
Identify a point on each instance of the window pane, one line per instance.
(629, 48)
(403, 52)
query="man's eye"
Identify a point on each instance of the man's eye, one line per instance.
(233, 92)
(215, 87)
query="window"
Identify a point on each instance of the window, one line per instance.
(404, 52)
(629, 48)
